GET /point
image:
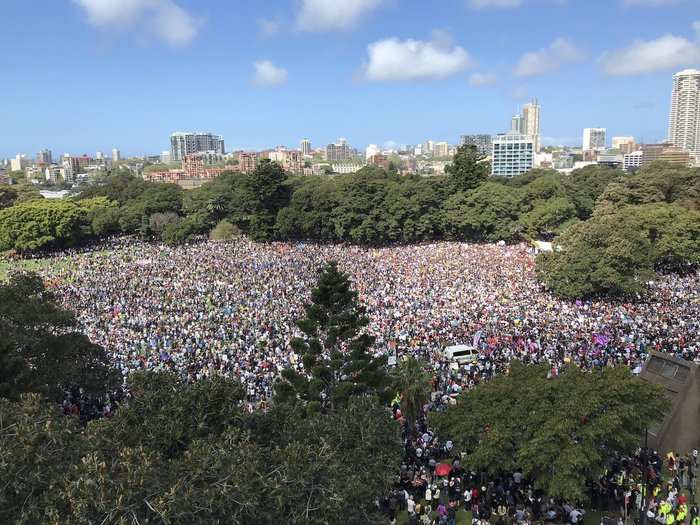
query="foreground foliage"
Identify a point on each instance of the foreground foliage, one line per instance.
(560, 430)
(187, 454)
(41, 349)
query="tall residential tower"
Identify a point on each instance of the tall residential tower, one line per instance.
(530, 123)
(684, 121)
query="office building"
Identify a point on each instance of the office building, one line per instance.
(593, 139)
(632, 161)
(611, 159)
(684, 119)
(665, 153)
(116, 155)
(441, 149)
(530, 122)
(305, 147)
(513, 154)
(427, 147)
(340, 151)
(44, 157)
(183, 144)
(482, 143)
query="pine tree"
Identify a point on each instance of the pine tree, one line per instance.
(335, 351)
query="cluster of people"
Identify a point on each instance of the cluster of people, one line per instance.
(230, 308)
(433, 486)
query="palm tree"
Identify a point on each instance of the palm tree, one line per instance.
(413, 385)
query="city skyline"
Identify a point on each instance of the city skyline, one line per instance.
(377, 72)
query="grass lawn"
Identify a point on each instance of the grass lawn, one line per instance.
(6, 267)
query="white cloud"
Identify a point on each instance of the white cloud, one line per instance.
(642, 57)
(649, 3)
(548, 59)
(482, 79)
(165, 18)
(268, 75)
(329, 15)
(500, 4)
(268, 28)
(394, 59)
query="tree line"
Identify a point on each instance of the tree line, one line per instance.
(588, 213)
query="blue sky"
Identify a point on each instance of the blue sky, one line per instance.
(87, 75)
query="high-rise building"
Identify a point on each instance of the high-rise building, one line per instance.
(516, 124)
(18, 163)
(184, 143)
(306, 147)
(339, 151)
(116, 155)
(371, 151)
(530, 122)
(247, 161)
(44, 157)
(441, 149)
(482, 142)
(684, 119)
(513, 154)
(593, 139)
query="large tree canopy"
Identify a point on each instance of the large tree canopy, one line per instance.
(40, 348)
(560, 429)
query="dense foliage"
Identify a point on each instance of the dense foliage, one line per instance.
(40, 348)
(186, 454)
(559, 429)
(642, 225)
(374, 206)
(335, 353)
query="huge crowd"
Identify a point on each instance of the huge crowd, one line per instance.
(230, 308)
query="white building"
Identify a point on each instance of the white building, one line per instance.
(116, 155)
(347, 167)
(530, 122)
(684, 120)
(305, 147)
(632, 161)
(371, 151)
(513, 154)
(18, 163)
(593, 139)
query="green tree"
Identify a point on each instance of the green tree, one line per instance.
(41, 224)
(488, 213)
(468, 169)
(40, 350)
(560, 430)
(8, 196)
(268, 193)
(334, 351)
(617, 252)
(412, 382)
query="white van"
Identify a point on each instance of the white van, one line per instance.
(462, 354)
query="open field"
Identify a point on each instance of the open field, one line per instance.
(35, 265)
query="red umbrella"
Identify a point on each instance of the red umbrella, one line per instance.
(443, 469)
